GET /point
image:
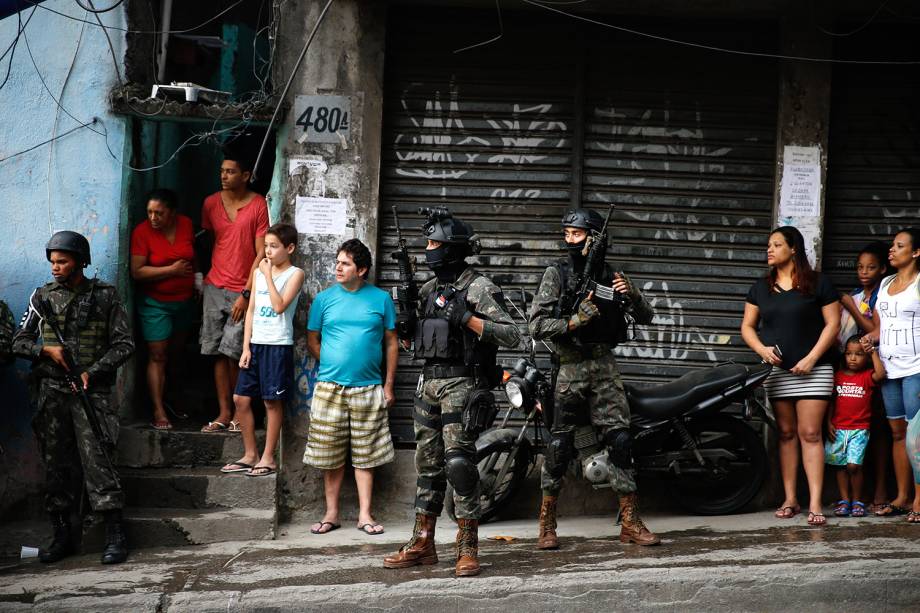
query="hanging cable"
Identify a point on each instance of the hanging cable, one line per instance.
(12, 48)
(50, 140)
(108, 39)
(719, 49)
(501, 31)
(287, 86)
(94, 10)
(860, 28)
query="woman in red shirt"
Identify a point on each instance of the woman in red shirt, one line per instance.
(162, 255)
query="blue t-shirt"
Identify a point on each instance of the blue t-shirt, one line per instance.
(351, 326)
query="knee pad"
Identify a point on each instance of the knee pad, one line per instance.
(559, 452)
(462, 472)
(619, 447)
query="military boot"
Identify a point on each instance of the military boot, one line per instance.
(467, 548)
(632, 530)
(548, 539)
(62, 544)
(420, 548)
(116, 544)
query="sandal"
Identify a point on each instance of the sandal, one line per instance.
(237, 467)
(215, 426)
(913, 517)
(261, 471)
(787, 512)
(843, 508)
(858, 509)
(234, 426)
(321, 529)
(816, 519)
(372, 528)
(890, 510)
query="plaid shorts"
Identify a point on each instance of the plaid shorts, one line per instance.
(341, 415)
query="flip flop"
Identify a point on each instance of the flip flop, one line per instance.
(234, 426)
(264, 471)
(890, 510)
(242, 467)
(161, 424)
(816, 519)
(214, 426)
(364, 528)
(320, 530)
(913, 517)
(787, 512)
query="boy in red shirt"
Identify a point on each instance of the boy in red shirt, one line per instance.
(848, 424)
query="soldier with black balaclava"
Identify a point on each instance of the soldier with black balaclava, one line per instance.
(588, 384)
(457, 328)
(97, 335)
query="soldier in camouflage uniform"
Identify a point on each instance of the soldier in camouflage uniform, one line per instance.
(459, 325)
(97, 331)
(588, 383)
(7, 328)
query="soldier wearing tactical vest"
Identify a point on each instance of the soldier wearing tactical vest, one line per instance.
(457, 329)
(97, 333)
(588, 383)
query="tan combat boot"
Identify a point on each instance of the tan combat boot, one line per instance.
(632, 530)
(548, 538)
(420, 548)
(467, 548)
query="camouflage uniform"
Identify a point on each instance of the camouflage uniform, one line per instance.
(99, 346)
(439, 398)
(588, 378)
(7, 328)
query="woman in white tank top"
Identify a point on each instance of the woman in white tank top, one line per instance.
(897, 313)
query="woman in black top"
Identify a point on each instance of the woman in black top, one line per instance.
(798, 315)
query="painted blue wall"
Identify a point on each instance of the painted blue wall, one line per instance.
(74, 184)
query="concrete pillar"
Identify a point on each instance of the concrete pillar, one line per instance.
(803, 117)
(344, 59)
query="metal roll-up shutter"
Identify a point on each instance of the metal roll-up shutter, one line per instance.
(487, 133)
(505, 133)
(683, 143)
(873, 167)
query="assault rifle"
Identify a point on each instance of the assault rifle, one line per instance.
(583, 283)
(405, 293)
(72, 376)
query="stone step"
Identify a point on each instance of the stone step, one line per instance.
(180, 527)
(139, 446)
(196, 488)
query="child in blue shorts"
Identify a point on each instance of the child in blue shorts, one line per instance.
(848, 424)
(267, 362)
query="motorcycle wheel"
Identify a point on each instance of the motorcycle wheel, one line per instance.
(493, 495)
(726, 486)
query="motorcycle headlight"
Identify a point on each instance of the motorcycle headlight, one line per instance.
(515, 393)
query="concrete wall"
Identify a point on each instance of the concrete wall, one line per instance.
(346, 59)
(73, 184)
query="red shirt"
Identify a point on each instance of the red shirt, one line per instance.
(234, 241)
(152, 244)
(854, 400)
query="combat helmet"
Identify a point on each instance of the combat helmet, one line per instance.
(586, 219)
(72, 242)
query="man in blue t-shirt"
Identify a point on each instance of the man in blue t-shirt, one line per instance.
(351, 325)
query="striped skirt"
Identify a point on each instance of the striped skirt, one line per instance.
(818, 384)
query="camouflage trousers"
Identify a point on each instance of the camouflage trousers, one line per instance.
(68, 445)
(591, 386)
(441, 400)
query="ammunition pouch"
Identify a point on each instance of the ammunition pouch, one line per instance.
(479, 412)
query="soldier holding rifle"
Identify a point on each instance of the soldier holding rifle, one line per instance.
(77, 334)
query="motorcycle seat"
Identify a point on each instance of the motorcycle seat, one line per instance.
(670, 399)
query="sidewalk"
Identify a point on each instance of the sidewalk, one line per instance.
(750, 562)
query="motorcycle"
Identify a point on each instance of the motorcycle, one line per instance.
(716, 462)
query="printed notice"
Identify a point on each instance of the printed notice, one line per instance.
(320, 215)
(800, 191)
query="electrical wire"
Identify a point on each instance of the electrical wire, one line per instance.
(36, 4)
(50, 140)
(11, 50)
(860, 28)
(96, 11)
(287, 86)
(108, 39)
(720, 49)
(501, 31)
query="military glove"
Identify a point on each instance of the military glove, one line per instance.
(587, 311)
(456, 314)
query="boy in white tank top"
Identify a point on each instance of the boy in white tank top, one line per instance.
(267, 362)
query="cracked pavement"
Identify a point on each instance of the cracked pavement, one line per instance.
(750, 562)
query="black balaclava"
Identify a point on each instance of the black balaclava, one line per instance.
(575, 251)
(445, 262)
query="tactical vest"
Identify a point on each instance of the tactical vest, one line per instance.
(437, 342)
(611, 328)
(92, 337)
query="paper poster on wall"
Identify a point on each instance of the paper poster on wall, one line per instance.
(320, 215)
(800, 190)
